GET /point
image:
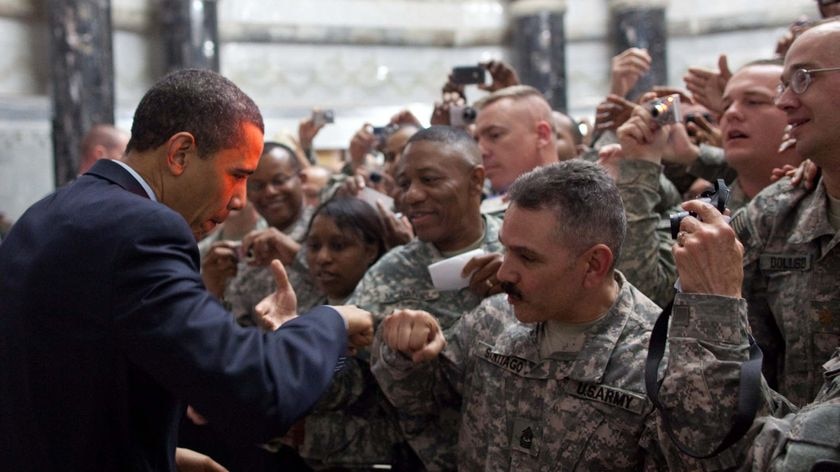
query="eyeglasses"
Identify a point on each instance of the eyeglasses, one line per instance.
(800, 80)
(279, 180)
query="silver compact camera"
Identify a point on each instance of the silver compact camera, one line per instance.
(462, 116)
(665, 110)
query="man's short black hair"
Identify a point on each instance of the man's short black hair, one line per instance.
(584, 199)
(452, 137)
(200, 102)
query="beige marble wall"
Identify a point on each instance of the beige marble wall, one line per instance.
(365, 58)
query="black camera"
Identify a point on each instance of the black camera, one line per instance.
(465, 75)
(717, 197)
(382, 133)
(462, 116)
(665, 110)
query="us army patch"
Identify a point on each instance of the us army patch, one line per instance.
(525, 436)
(612, 396)
(779, 262)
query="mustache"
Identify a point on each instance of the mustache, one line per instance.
(511, 290)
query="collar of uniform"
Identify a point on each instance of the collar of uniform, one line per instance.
(489, 244)
(592, 360)
(813, 220)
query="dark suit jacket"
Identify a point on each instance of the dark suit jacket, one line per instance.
(106, 332)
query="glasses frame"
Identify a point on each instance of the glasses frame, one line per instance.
(807, 75)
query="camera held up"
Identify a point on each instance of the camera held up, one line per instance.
(462, 116)
(717, 197)
(665, 110)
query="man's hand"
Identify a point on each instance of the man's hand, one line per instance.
(280, 306)
(807, 174)
(708, 255)
(440, 114)
(187, 460)
(483, 268)
(706, 85)
(503, 75)
(627, 68)
(704, 132)
(362, 143)
(398, 229)
(405, 117)
(642, 138)
(414, 333)
(219, 266)
(265, 245)
(613, 112)
(359, 325)
(680, 149)
(609, 157)
(307, 130)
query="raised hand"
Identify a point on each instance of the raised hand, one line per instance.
(627, 68)
(706, 85)
(280, 306)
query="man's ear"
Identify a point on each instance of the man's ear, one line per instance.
(544, 133)
(477, 179)
(303, 177)
(179, 149)
(597, 262)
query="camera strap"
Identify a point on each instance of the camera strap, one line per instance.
(749, 387)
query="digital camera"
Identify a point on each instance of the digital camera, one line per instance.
(462, 116)
(465, 75)
(322, 117)
(717, 197)
(665, 110)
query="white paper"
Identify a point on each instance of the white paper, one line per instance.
(446, 274)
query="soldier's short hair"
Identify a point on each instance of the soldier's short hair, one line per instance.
(201, 102)
(584, 199)
(452, 137)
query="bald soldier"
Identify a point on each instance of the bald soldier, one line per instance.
(787, 285)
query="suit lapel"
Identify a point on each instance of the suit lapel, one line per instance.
(115, 173)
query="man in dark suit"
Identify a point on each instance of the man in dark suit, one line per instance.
(106, 330)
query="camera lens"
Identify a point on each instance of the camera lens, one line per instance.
(676, 219)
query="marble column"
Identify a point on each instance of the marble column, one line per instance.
(539, 47)
(82, 76)
(642, 24)
(190, 30)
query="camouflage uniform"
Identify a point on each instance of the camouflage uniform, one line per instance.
(253, 283)
(646, 257)
(400, 280)
(707, 343)
(570, 411)
(791, 267)
(711, 165)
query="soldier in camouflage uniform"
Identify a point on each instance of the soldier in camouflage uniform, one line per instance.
(707, 344)
(552, 377)
(515, 132)
(790, 235)
(440, 177)
(752, 128)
